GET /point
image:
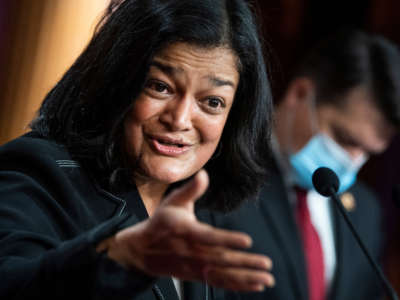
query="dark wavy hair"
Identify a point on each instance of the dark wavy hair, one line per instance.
(86, 109)
(350, 58)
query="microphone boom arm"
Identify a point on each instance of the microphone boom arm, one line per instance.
(376, 268)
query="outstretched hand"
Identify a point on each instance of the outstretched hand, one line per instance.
(174, 243)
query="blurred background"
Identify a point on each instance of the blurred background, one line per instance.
(39, 39)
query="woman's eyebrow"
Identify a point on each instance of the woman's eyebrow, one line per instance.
(170, 70)
(215, 81)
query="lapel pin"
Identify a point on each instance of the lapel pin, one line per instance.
(348, 201)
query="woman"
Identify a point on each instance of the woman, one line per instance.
(90, 204)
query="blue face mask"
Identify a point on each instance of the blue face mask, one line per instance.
(322, 151)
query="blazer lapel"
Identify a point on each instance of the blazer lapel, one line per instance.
(276, 207)
(195, 291)
(164, 289)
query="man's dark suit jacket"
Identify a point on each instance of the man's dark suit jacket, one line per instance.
(52, 217)
(272, 226)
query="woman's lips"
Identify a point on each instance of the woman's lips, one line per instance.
(168, 148)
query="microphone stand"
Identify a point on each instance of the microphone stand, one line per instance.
(376, 268)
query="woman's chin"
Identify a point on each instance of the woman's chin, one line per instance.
(168, 175)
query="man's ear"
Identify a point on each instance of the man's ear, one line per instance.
(299, 91)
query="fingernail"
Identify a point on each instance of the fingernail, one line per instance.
(247, 241)
(272, 281)
(268, 264)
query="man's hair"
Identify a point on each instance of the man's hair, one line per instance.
(86, 108)
(352, 58)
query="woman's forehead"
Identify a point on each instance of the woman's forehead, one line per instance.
(202, 52)
(181, 57)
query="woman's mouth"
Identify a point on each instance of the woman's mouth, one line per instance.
(169, 147)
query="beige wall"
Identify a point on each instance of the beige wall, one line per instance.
(47, 37)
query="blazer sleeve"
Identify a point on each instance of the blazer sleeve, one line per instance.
(36, 259)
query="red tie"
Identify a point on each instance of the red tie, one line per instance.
(312, 248)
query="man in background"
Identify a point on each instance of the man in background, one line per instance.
(341, 105)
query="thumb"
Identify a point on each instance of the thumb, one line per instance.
(187, 194)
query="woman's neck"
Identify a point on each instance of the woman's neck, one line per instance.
(151, 193)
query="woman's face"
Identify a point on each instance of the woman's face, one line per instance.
(177, 120)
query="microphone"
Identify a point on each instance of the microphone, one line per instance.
(327, 183)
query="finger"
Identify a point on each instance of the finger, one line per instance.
(222, 257)
(189, 266)
(212, 255)
(189, 192)
(184, 268)
(239, 279)
(202, 233)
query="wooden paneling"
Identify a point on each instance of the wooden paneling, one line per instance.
(47, 36)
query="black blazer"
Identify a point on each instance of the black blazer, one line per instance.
(52, 216)
(272, 226)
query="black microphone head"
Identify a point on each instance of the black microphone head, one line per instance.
(324, 180)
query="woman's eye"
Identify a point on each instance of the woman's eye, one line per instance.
(158, 86)
(214, 103)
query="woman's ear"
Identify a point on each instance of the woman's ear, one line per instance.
(299, 92)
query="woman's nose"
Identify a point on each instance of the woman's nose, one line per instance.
(178, 114)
